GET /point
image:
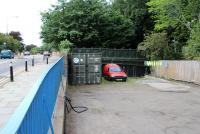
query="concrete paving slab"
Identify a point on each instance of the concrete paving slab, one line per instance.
(165, 85)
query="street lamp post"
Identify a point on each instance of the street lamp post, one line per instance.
(7, 22)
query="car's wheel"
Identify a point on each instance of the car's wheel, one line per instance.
(105, 77)
(124, 80)
(109, 78)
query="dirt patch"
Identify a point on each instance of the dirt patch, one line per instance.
(134, 107)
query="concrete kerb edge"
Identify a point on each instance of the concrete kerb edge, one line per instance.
(7, 77)
(58, 117)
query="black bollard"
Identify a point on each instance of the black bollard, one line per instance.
(26, 65)
(47, 60)
(11, 72)
(33, 61)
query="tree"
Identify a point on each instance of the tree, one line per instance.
(156, 46)
(177, 18)
(29, 47)
(16, 35)
(86, 23)
(8, 42)
(192, 51)
(35, 50)
(65, 45)
(137, 11)
(46, 47)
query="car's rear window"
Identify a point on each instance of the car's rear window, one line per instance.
(115, 69)
(5, 52)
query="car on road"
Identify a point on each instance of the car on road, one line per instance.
(27, 53)
(46, 53)
(6, 54)
(114, 72)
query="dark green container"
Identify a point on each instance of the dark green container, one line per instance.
(130, 59)
(86, 68)
(78, 59)
(93, 78)
(79, 78)
(79, 68)
(94, 68)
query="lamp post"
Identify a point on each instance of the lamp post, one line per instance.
(7, 22)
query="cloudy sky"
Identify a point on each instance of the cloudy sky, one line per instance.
(23, 16)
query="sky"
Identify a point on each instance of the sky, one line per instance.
(24, 16)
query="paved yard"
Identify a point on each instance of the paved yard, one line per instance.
(142, 106)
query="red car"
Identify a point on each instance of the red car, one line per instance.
(114, 72)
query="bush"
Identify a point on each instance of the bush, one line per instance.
(192, 51)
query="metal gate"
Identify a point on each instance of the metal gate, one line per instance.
(86, 68)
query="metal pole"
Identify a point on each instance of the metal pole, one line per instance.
(33, 61)
(7, 25)
(11, 72)
(26, 65)
(47, 60)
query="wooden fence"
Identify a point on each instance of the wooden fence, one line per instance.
(188, 71)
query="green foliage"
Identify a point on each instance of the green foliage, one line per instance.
(173, 12)
(156, 46)
(164, 12)
(8, 42)
(177, 17)
(29, 47)
(172, 24)
(65, 46)
(192, 51)
(35, 50)
(46, 47)
(16, 35)
(86, 23)
(137, 11)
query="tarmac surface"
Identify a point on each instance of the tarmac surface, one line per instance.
(13, 93)
(18, 62)
(139, 106)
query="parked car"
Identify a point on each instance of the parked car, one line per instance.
(27, 53)
(6, 54)
(46, 53)
(114, 72)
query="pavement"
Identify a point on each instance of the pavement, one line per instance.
(12, 93)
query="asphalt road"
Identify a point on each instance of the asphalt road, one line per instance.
(18, 63)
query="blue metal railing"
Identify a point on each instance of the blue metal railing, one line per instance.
(33, 116)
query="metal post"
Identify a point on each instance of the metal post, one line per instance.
(11, 72)
(47, 60)
(26, 65)
(33, 61)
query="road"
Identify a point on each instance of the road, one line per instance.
(18, 63)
